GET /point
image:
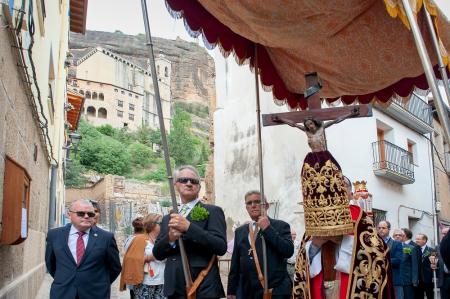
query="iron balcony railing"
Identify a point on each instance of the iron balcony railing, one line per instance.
(417, 107)
(391, 157)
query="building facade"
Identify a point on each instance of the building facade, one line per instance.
(33, 132)
(388, 150)
(120, 92)
(441, 156)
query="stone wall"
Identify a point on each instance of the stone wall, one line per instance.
(19, 137)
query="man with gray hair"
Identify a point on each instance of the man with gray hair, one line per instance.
(245, 274)
(82, 258)
(203, 230)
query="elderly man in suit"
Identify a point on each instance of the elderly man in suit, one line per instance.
(203, 230)
(247, 253)
(396, 254)
(425, 286)
(82, 258)
(409, 266)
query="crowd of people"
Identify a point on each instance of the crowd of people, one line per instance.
(84, 259)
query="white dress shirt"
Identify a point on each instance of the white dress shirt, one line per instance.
(343, 257)
(186, 208)
(73, 237)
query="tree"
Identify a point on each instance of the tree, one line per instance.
(74, 174)
(140, 155)
(104, 155)
(181, 140)
(107, 130)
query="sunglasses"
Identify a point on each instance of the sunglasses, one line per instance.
(253, 202)
(186, 180)
(82, 214)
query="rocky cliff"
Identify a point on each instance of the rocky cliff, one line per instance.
(193, 73)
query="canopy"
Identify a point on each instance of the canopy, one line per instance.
(359, 48)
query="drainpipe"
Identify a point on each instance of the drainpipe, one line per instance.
(52, 203)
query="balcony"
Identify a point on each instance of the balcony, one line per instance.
(392, 162)
(415, 113)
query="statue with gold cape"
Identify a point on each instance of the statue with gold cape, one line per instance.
(341, 255)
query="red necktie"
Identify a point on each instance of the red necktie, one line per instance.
(80, 247)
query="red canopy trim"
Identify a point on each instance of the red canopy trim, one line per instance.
(73, 115)
(199, 21)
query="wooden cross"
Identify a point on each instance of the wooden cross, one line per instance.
(314, 107)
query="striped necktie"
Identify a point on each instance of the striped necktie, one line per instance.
(183, 210)
(80, 247)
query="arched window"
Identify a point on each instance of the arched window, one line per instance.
(166, 72)
(76, 90)
(101, 97)
(94, 95)
(81, 91)
(90, 111)
(88, 94)
(102, 113)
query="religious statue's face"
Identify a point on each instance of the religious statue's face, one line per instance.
(310, 125)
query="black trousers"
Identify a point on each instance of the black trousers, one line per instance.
(424, 289)
(445, 287)
(408, 292)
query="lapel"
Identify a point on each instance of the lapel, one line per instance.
(66, 231)
(188, 217)
(93, 236)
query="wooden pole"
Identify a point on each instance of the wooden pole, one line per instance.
(184, 260)
(261, 171)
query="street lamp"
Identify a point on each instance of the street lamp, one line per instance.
(72, 144)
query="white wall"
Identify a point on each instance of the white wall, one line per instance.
(284, 148)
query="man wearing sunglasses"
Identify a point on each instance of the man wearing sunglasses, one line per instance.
(203, 230)
(247, 259)
(82, 258)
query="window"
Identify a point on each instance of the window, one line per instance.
(131, 116)
(116, 90)
(412, 149)
(90, 111)
(166, 71)
(88, 94)
(131, 107)
(157, 69)
(378, 215)
(81, 91)
(94, 95)
(130, 95)
(101, 97)
(119, 113)
(136, 96)
(120, 103)
(122, 92)
(102, 113)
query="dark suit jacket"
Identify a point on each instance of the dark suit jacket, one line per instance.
(445, 250)
(202, 240)
(279, 248)
(396, 253)
(425, 272)
(99, 266)
(409, 268)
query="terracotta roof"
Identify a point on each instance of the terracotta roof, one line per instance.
(78, 13)
(73, 115)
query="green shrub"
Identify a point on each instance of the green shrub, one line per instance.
(140, 155)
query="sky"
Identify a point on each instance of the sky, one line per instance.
(126, 16)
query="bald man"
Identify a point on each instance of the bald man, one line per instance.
(82, 258)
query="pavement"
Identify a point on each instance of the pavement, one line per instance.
(44, 290)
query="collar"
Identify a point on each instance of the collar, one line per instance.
(408, 241)
(423, 247)
(192, 203)
(74, 231)
(386, 239)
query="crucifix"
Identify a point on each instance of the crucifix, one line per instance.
(326, 231)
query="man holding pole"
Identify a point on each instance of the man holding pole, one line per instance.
(246, 272)
(202, 228)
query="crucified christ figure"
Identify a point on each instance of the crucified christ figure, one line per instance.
(315, 129)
